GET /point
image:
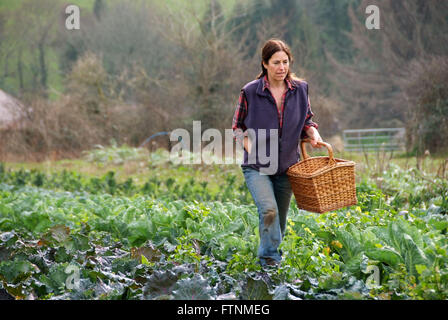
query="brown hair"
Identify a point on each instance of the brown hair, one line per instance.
(269, 48)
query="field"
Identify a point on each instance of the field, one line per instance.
(124, 224)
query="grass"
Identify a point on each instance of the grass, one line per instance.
(141, 167)
(140, 170)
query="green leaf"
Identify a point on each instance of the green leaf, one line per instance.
(356, 263)
(256, 288)
(325, 235)
(124, 265)
(55, 279)
(8, 238)
(282, 292)
(385, 254)
(60, 233)
(16, 271)
(196, 288)
(420, 268)
(149, 252)
(160, 283)
(145, 261)
(413, 255)
(438, 224)
(350, 246)
(335, 280)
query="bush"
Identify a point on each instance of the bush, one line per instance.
(427, 93)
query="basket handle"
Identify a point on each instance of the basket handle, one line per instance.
(331, 160)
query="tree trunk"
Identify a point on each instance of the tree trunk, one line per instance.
(43, 67)
(20, 69)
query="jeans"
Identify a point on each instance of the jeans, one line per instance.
(272, 196)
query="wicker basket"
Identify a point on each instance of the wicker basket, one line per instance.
(322, 184)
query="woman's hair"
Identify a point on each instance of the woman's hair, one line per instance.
(269, 49)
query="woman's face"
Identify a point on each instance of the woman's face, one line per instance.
(277, 66)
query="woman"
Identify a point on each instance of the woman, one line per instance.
(272, 115)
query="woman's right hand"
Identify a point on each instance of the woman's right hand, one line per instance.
(315, 137)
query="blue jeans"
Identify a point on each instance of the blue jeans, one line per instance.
(272, 196)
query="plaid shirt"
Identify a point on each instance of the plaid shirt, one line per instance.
(241, 112)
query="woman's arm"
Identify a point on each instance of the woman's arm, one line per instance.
(238, 122)
(314, 135)
(310, 128)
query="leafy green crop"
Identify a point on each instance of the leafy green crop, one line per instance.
(69, 237)
(167, 188)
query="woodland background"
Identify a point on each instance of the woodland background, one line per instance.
(139, 67)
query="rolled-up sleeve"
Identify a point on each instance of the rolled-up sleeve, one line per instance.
(308, 122)
(240, 114)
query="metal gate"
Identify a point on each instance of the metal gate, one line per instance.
(387, 139)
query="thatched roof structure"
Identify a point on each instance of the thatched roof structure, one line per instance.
(11, 110)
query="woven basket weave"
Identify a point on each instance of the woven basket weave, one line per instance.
(322, 184)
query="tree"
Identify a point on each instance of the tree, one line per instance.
(31, 33)
(333, 23)
(427, 93)
(98, 8)
(6, 53)
(212, 64)
(410, 30)
(256, 22)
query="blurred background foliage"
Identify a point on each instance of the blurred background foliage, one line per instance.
(138, 67)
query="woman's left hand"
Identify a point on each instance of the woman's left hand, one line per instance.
(315, 137)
